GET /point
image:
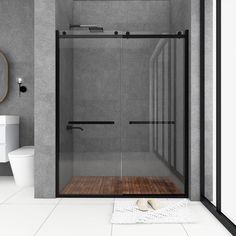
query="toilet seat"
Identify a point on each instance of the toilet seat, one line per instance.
(26, 151)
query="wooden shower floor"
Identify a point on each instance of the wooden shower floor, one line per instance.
(114, 185)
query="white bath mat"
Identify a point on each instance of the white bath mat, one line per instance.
(171, 211)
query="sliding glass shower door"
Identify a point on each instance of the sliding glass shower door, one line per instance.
(121, 115)
(153, 115)
(95, 121)
(97, 108)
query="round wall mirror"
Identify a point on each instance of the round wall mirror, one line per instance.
(3, 77)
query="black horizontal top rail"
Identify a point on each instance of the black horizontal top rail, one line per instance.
(91, 122)
(126, 35)
(151, 122)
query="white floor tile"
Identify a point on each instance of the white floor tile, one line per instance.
(6, 181)
(148, 230)
(21, 214)
(206, 224)
(26, 196)
(84, 220)
(22, 220)
(78, 201)
(181, 199)
(7, 188)
(6, 193)
(206, 230)
(201, 214)
(135, 199)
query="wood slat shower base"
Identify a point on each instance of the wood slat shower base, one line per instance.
(113, 185)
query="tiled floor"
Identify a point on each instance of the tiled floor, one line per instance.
(22, 215)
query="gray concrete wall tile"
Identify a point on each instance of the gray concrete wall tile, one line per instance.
(185, 14)
(17, 43)
(45, 98)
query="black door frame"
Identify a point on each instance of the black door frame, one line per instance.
(215, 210)
(127, 35)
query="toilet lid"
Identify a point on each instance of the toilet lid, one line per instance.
(25, 151)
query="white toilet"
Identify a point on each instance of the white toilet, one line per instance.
(22, 164)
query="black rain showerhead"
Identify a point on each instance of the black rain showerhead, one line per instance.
(91, 28)
(96, 29)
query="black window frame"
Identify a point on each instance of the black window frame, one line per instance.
(215, 210)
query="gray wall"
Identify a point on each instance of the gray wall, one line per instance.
(49, 15)
(180, 15)
(195, 101)
(120, 91)
(124, 15)
(97, 94)
(16, 42)
(44, 49)
(64, 14)
(210, 113)
(96, 89)
(135, 91)
(185, 14)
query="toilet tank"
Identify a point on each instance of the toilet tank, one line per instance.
(9, 136)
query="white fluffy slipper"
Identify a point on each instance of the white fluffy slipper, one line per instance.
(142, 204)
(153, 203)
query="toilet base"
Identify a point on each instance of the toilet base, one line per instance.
(23, 171)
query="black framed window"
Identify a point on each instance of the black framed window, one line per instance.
(217, 110)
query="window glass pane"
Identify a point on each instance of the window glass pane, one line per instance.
(228, 126)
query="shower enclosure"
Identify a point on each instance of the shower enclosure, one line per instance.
(122, 114)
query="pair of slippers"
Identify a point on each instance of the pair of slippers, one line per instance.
(144, 203)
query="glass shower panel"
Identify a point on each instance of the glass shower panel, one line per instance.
(152, 121)
(94, 123)
(65, 85)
